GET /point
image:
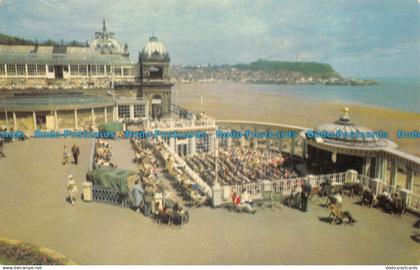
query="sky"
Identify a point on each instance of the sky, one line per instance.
(361, 38)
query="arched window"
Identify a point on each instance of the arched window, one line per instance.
(156, 72)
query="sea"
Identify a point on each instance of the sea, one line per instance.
(402, 94)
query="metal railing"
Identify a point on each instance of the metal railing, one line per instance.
(413, 201)
(286, 186)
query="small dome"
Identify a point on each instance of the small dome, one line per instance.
(343, 132)
(154, 49)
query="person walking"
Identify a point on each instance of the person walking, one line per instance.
(71, 188)
(306, 191)
(76, 152)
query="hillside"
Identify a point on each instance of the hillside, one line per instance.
(13, 40)
(314, 69)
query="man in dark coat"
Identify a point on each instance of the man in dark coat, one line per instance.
(76, 152)
(306, 190)
(1, 147)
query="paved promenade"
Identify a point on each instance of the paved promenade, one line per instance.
(33, 209)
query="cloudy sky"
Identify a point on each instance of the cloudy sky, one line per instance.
(358, 37)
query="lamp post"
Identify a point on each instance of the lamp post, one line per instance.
(216, 154)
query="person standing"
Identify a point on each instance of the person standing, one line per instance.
(306, 191)
(71, 188)
(137, 195)
(66, 155)
(2, 147)
(148, 198)
(76, 152)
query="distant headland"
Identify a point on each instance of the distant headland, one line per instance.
(267, 72)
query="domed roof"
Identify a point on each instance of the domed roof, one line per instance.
(344, 133)
(105, 42)
(154, 49)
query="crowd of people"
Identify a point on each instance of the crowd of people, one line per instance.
(145, 158)
(190, 190)
(103, 153)
(237, 165)
(390, 203)
(150, 195)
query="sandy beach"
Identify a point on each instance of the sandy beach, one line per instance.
(236, 101)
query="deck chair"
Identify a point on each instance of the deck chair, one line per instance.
(335, 214)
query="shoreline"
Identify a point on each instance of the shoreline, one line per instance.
(238, 101)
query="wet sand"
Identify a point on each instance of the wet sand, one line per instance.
(33, 209)
(235, 101)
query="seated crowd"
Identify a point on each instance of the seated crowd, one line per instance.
(145, 157)
(390, 203)
(150, 195)
(239, 166)
(103, 153)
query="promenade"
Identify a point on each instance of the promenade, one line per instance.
(33, 209)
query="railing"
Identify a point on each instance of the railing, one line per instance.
(181, 123)
(92, 156)
(109, 195)
(253, 189)
(285, 186)
(181, 112)
(413, 201)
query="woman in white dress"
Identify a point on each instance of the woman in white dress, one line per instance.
(72, 188)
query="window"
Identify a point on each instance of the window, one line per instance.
(108, 70)
(156, 72)
(82, 70)
(31, 70)
(66, 68)
(117, 71)
(2, 70)
(41, 70)
(50, 69)
(126, 72)
(124, 111)
(92, 70)
(100, 70)
(139, 111)
(202, 144)
(20, 70)
(11, 70)
(74, 70)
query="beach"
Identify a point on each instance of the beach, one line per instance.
(237, 101)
